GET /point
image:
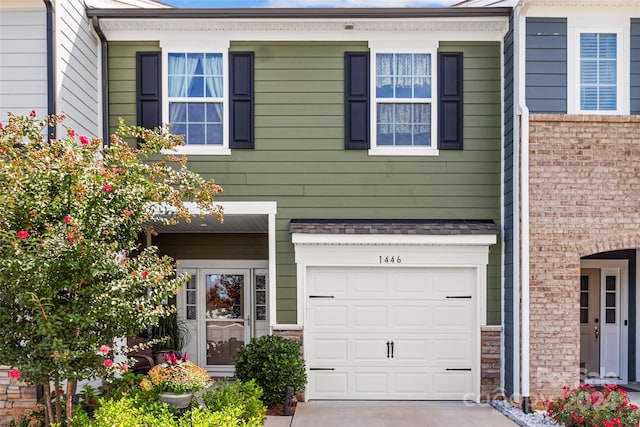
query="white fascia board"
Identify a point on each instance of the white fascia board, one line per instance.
(239, 208)
(393, 239)
(483, 29)
(599, 12)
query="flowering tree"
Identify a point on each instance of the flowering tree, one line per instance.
(73, 275)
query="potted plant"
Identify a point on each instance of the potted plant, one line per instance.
(175, 335)
(176, 380)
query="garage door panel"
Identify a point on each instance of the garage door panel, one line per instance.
(371, 383)
(367, 285)
(453, 282)
(368, 350)
(330, 350)
(329, 383)
(368, 316)
(452, 385)
(329, 317)
(452, 351)
(411, 316)
(452, 318)
(325, 281)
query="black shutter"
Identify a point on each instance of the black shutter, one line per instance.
(148, 89)
(450, 111)
(356, 100)
(241, 100)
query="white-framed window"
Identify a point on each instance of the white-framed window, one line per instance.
(598, 71)
(598, 65)
(403, 91)
(195, 97)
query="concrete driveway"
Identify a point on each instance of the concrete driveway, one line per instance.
(393, 414)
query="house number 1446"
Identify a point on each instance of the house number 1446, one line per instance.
(390, 260)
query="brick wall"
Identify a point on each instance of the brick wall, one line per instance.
(15, 397)
(491, 344)
(584, 199)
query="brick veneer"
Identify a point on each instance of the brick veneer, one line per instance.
(584, 199)
(491, 344)
(15, 397)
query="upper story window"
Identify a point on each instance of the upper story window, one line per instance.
(403, 116)
(196, 97)
(598, 72)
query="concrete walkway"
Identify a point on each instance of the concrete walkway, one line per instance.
(391, 414)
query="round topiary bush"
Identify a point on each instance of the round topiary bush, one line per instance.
(274, 363)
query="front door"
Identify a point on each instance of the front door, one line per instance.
(223, 308)
(601, 338)
(590, 323)
(226, 318)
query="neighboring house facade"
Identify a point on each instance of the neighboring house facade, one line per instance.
(571, 187)
(360, 155)
(50, 63)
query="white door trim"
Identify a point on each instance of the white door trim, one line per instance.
(622, 266)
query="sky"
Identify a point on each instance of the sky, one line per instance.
(310, 3)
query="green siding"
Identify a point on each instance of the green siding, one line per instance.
(300, 162)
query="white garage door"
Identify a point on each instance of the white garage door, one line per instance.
(391, 333)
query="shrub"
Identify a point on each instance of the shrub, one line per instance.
(274, 363)
(243, 395)
(228, 417)
(587, 406)
(127, 412)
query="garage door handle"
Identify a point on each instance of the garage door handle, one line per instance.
(322, 369)
(458, 369)
(388, 347)
(321, 296)
(392, 349)
(459, 297)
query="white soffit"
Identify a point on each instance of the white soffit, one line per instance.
(117, 28)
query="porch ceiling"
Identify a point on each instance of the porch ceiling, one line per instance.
(208, 224)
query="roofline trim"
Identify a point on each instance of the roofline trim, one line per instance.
(300, 13)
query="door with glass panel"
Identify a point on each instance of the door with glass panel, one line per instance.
(227, 324)
(223, 308)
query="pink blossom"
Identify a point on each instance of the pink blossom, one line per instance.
(84, 140)
(127, 213)
(23, 234)
(124, 368)
(104, 349)
(71, 239)
(108, 188)
(67, 219)
(1, 125)
(32, 113)
(14, 373)
(107, 363)
(71, 132)
(184, 357)
(144, 274)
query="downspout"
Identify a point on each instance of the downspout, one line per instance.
(51, 68)
(95, 22)
(521, 10)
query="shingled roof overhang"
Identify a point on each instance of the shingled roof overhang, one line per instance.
(394, 226)
(300, 13)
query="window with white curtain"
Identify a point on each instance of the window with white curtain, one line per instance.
(598, 72)
(196, 97)
(403, 100)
